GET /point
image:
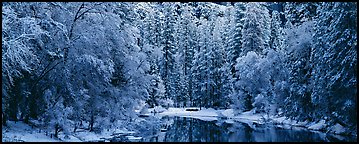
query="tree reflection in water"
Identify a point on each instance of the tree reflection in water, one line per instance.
(182, 129)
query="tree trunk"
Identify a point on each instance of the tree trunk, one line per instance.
(75, 127)
(26, 120)
(92, 121)
(4, 118)
(57, 127)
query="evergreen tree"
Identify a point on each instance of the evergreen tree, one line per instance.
(235, 35)
(298, 12)
(256, 29)
(334, 63)
(226, 75)
(169, 48)
(276, 37)
(298, 45)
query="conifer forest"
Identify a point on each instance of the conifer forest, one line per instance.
(179, 71)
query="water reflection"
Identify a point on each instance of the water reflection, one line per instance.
(182, 129)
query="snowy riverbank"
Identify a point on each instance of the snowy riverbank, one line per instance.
(249, 117)
(22, 132)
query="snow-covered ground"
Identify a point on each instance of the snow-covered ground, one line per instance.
(182, 112)
(21, 132)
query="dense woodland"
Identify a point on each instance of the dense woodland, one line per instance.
(68, 62)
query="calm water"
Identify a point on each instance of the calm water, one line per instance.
(181, 129)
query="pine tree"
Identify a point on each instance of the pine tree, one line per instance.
(169, 48)
(226, 75)
(204, 63)
(256, 29)
(298, 45)
(235, 35)
(334, 61)
(276, 37)
(186, 47)
(217, 59)
(297, 12)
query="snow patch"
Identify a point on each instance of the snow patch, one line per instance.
(301, 124)
(228, 113)
(318, 126)
(20, 131)
(337, 129)
(182, 112)
(71, 138)
(133, 138)
(157, 109)
(230, 121)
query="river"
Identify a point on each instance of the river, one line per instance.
(185, 129)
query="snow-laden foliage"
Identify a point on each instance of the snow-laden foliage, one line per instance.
(82, 64)
(334, 58)
(298, 43)
(255, 30)
(70, 63)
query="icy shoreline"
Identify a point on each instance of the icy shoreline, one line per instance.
(211, 114)
(22, 132)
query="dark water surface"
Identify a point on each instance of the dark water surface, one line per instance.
(182, 129)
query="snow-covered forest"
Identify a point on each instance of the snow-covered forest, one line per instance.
(67, 64)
